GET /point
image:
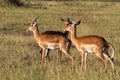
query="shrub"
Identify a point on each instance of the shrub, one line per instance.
(10, 3)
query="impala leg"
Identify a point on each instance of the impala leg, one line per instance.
(85, 59)
(43, 56)
(82, 60)
(71, 56)
(100, 55)
(104, 57)
(111, 60)
(105, 64)
(107, 58)
(59, 56)
(47, 55)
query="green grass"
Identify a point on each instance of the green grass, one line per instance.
(19, 52)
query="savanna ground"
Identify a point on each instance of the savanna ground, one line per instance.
(19, 52)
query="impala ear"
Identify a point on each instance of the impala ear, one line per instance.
(35, 20)
(69, 21)
(34, 24)
(78, 22)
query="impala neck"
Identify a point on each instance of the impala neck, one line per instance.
(73, 35)
(36, 34)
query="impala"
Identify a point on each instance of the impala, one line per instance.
(64, 34)
(47, 41)
(90, 44)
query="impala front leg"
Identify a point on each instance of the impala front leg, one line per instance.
(47, 55)
(43, 56)
(82, 60)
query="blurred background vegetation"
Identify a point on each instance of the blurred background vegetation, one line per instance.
(10, 3)
(19, 3)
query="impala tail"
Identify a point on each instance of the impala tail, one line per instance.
(113, 51)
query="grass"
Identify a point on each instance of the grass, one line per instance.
(19, 53)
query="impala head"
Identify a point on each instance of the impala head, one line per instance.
(66, 22)
(33, 25)
(71, 25)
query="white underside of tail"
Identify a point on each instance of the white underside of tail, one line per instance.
(113, 50)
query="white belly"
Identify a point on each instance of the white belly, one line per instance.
(53, 46)
(89, 48)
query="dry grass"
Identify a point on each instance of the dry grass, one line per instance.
(19, 53)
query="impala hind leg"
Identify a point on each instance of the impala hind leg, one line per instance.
(108, 58)
(59, 55)
(73, 63)
(105, 58)
(69, 55)
(101, 56)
